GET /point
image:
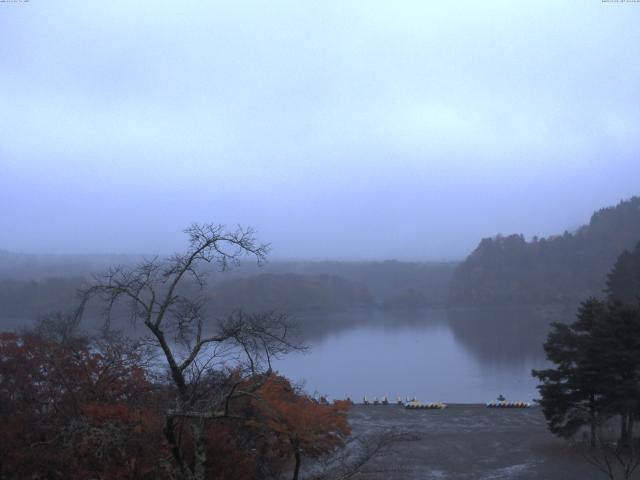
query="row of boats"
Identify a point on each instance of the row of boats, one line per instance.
(415, 404)
(425, 406)
(505, 404)
(385, 401)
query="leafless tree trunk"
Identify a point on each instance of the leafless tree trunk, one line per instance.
(615, 460)
(192, 345)
(355, 459)
(297, 457)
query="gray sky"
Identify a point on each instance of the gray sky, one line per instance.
(339, 130)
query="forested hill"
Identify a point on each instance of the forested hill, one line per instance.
(290, 293)
(559, 269)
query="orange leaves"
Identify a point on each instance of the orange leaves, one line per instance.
(315, 428)
(84, 410)
(73, 409)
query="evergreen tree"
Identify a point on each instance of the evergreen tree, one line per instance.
(617, 338)
(573, 392)
(597, 370)
(623, 283)
(560, 269)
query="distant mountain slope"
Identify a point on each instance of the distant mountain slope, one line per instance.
(29, 266)
(289, 292)
(387, 281)
(559, 269)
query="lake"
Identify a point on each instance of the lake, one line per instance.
(449, 355)
(455, 356)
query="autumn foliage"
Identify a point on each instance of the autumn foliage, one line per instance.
(299, 425)
(200, 403)
(74, 411)
(84, 409)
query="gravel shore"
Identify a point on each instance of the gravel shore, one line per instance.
(469, 442)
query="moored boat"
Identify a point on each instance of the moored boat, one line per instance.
(416, 405)
(505, 404)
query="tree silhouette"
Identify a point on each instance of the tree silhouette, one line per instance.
(623, 282)
(597, 358)
(167, 297)
(572, 392)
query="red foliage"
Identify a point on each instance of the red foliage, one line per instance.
(72, 411)
(300, 425)
(79, 410)
(230, 457)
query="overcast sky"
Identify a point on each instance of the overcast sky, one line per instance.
(339, 130)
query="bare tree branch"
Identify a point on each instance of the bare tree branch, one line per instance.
(165, 296)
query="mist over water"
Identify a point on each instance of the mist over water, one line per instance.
(434, 355)
(414, 190)
(450, 355)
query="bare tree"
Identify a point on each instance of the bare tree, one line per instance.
(354, 461)
(209, 363)
(614, 459)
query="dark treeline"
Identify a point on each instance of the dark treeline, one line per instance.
(33, 298)
(290, 292)
(26, 266)
(595, 376)
(286, 286)
(561, 269)
(504, 270)
(385, 280)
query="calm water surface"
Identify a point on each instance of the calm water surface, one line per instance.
(456, 356)
(437, 355)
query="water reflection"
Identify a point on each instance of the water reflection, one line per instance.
(317, 328)
(506, 336)
(449, 355)
(454, 355)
